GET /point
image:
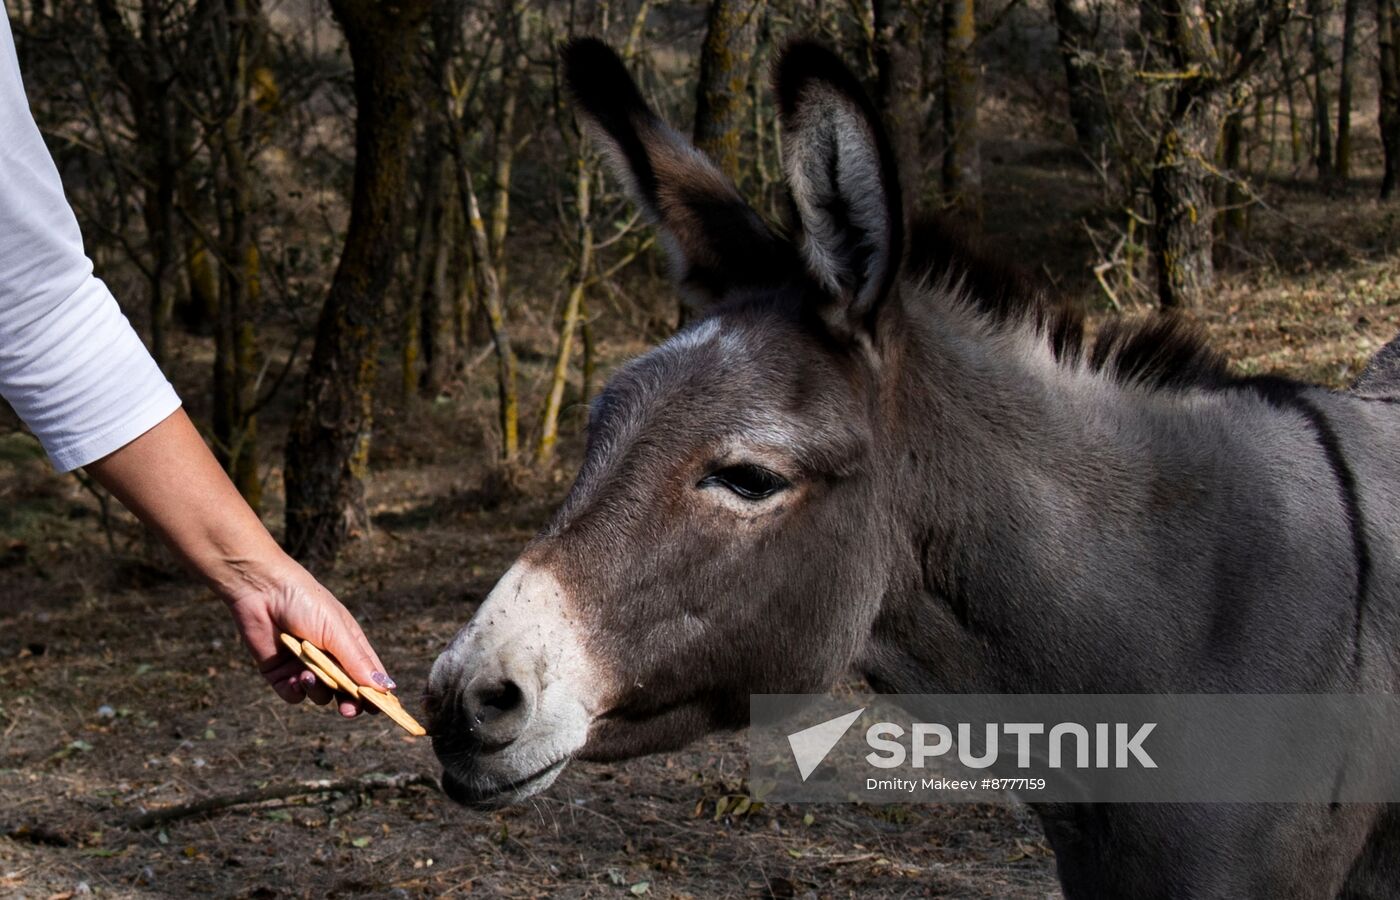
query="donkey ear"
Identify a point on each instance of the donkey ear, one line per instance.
(715, 240)
(844, 183)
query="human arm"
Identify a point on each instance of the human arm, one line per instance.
(78, 375)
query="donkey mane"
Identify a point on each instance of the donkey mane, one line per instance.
(1163, 352)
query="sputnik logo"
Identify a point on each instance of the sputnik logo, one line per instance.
(811, 745)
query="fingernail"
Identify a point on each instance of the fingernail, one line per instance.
(308, 679)
(383, 681)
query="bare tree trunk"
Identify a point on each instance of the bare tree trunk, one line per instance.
(437, 329)
(159, 216)
(487, 240)
(1344, 89)
(439, 346)
(237, 359)
(1206, 80)
(1290, 78)
(638, 27)
(488, 289)
(766, 187)
(143, 66)
(549, 419)
(1181, 196)
(1088, 107)
(420, 263)
(328, 447)
(197, 305)
(1272, 143)
(463, 311)
(513, 64)
(1388, 22)
(238, 362)
(1322, 114)
(721, 96)
(899, 26)
(425, 261)
(1232, 162)
(204, 287)
(590, 356)
(162, 169)
(962, 165)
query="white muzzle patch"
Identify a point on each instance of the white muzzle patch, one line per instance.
(517, 692)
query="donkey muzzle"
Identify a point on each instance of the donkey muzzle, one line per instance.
(512, 697)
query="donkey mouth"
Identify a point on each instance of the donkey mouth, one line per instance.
(483, 793)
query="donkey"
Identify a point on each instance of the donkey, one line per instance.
(875, 453)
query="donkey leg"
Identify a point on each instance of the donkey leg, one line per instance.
(1279, 852)
(1376, 874)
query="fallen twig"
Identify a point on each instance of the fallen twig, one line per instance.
(846, 860)
(373, 781)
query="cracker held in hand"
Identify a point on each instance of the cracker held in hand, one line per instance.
(325, 668)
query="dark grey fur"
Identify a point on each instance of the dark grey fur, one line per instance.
(978, 503)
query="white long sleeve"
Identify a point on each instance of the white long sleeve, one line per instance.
(70, 363)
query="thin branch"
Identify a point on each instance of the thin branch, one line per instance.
(371, 782)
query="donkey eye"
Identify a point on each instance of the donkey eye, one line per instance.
(746, 480)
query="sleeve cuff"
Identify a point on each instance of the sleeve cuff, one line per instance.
(148, 415)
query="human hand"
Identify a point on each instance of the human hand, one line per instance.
(287, 598)
(168, 477)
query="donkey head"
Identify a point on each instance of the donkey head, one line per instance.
(723, 536)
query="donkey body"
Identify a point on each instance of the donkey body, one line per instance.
(903, 462)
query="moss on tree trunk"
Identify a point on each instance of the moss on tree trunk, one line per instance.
(1181, 197)
(721, 98)
(1181, 171)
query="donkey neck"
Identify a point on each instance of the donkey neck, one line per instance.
(1059, 531)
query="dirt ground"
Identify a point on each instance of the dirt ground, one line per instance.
(124, 692)
(122, 689)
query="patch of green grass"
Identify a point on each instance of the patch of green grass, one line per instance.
(26, 519)
(18, 448)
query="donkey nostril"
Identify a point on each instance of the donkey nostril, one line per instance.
(492, 701)
(498, 709)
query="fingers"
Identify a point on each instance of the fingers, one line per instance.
(341, 636)
(348, 644)
(316, 692)
(296, 603)
(321, 694)
(289, 689)
(295, 684)
(285, 676)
